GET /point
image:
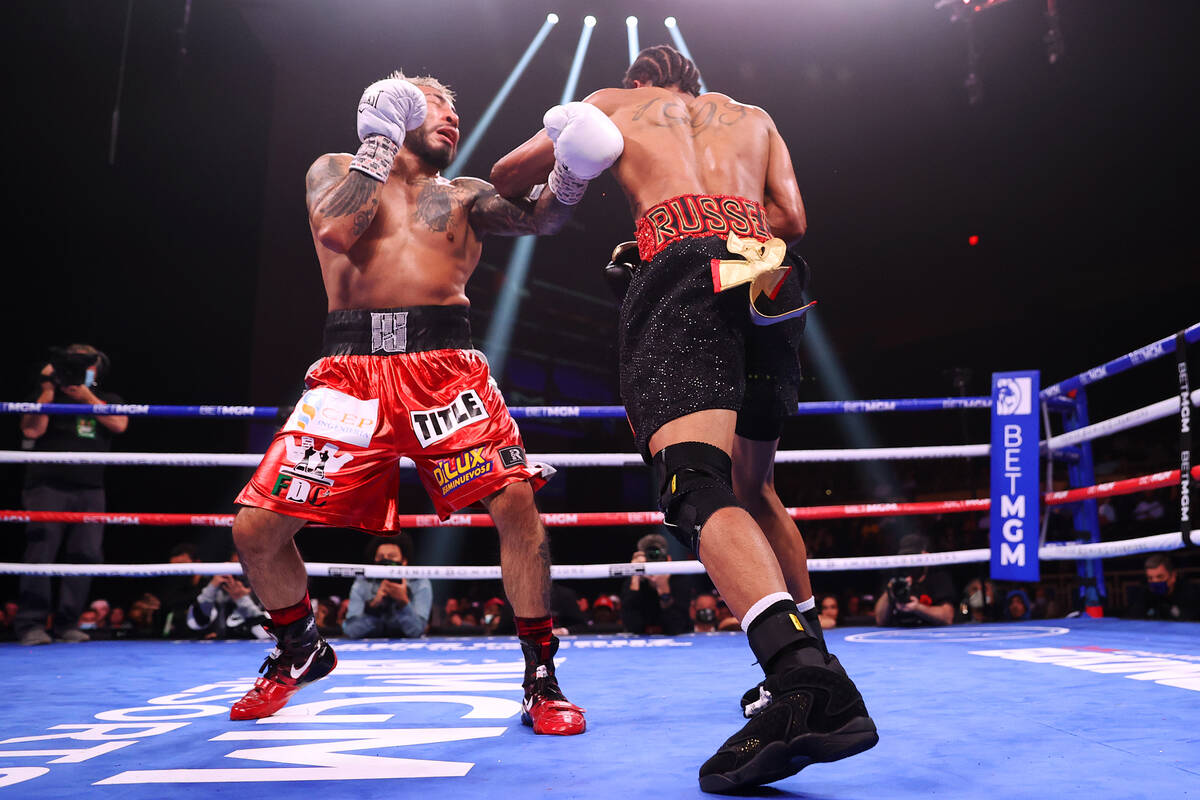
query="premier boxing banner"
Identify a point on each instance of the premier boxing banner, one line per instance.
(1015, 498)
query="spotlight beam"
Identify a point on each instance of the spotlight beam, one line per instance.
(680, 45)
(499, 334)
(631, 29)
(464, 152)
(585, 36)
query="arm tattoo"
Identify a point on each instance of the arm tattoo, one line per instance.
(355, 194)
(492, 213)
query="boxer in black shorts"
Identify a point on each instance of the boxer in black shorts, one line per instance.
(711, 184)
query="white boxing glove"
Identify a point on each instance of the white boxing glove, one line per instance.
(586, 142)
(390, 107)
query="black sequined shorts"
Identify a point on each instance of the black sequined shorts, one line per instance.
(684, 348)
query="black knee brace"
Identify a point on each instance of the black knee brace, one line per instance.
(694, 482)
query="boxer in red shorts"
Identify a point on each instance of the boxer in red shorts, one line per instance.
(399, 377)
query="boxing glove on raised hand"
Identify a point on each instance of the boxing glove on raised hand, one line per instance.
(586, 142)
(390, 107)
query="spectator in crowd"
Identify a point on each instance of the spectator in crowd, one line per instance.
(498, 618)
(703, 612)
(1149, 511)
(73, 375)
(829, 611)
(6, 619)
(978, 602)
(102, 609)
(1016, 605)
(1045, 604)
(924, 596)
(1168, 595)
(88, 620)
(226, 609)
(176, 593)
(605, 617)
(117, 623)
(398, 608)
(143, 616)
(325, 615)
(654, 603)
(567, 609)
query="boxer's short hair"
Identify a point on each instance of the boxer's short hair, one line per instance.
(425, 80)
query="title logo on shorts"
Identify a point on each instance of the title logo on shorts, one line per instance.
(434, 424)
(457, 471)
(312, 464)
(328, 414)
(1014, 396)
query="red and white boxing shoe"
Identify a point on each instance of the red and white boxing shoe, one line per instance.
(299, 659)
(545, 708)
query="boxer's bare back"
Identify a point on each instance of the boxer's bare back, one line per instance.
(416, 238)
(677, 144)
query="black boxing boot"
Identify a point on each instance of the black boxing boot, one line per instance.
(812, 712)
(753, 699)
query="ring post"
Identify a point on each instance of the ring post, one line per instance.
(1086, 518)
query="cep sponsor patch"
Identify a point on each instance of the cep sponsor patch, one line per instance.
(434, 424)
(512, 457)
(457, 471)
(327, 414)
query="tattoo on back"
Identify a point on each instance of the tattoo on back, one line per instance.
(355, 195)
(700, 118)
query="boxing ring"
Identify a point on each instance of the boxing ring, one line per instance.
(1070, 707)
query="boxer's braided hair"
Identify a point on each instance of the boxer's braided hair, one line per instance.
(425, 80)
(663, 65)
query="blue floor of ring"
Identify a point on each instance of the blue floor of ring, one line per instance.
(1063, 708)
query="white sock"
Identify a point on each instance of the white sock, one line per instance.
(805, 605)
(761, 606)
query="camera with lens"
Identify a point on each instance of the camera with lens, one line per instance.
(70, 368)
(655, 553)
(707, 616)
(899, 590)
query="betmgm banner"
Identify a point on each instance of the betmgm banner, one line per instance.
(1015, 498)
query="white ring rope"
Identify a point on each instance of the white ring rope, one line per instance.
(1049, 552)
(1132, 419)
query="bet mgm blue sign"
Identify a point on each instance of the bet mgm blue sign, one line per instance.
(1015, 498)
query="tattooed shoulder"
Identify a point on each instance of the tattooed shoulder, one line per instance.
(436, 205)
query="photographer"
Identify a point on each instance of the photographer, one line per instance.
(655, 603)
(385, 607)
(226, 609)
(73, 375)
(922, 596)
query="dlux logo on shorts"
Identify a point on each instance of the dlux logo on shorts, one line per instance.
(434, 424)
(332, 415)
(457, 471)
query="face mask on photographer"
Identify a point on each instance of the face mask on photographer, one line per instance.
(89, 377)
(1157, 587)
(706, 616)
(975, 600)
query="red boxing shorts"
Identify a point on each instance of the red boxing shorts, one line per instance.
(393, 383)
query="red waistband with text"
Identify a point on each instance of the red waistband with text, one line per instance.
(692, 215)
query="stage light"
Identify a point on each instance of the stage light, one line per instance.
(504, 318)
(972, 240)
(631, 30)
(631, 21)
(468, 147)
(669, 22)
